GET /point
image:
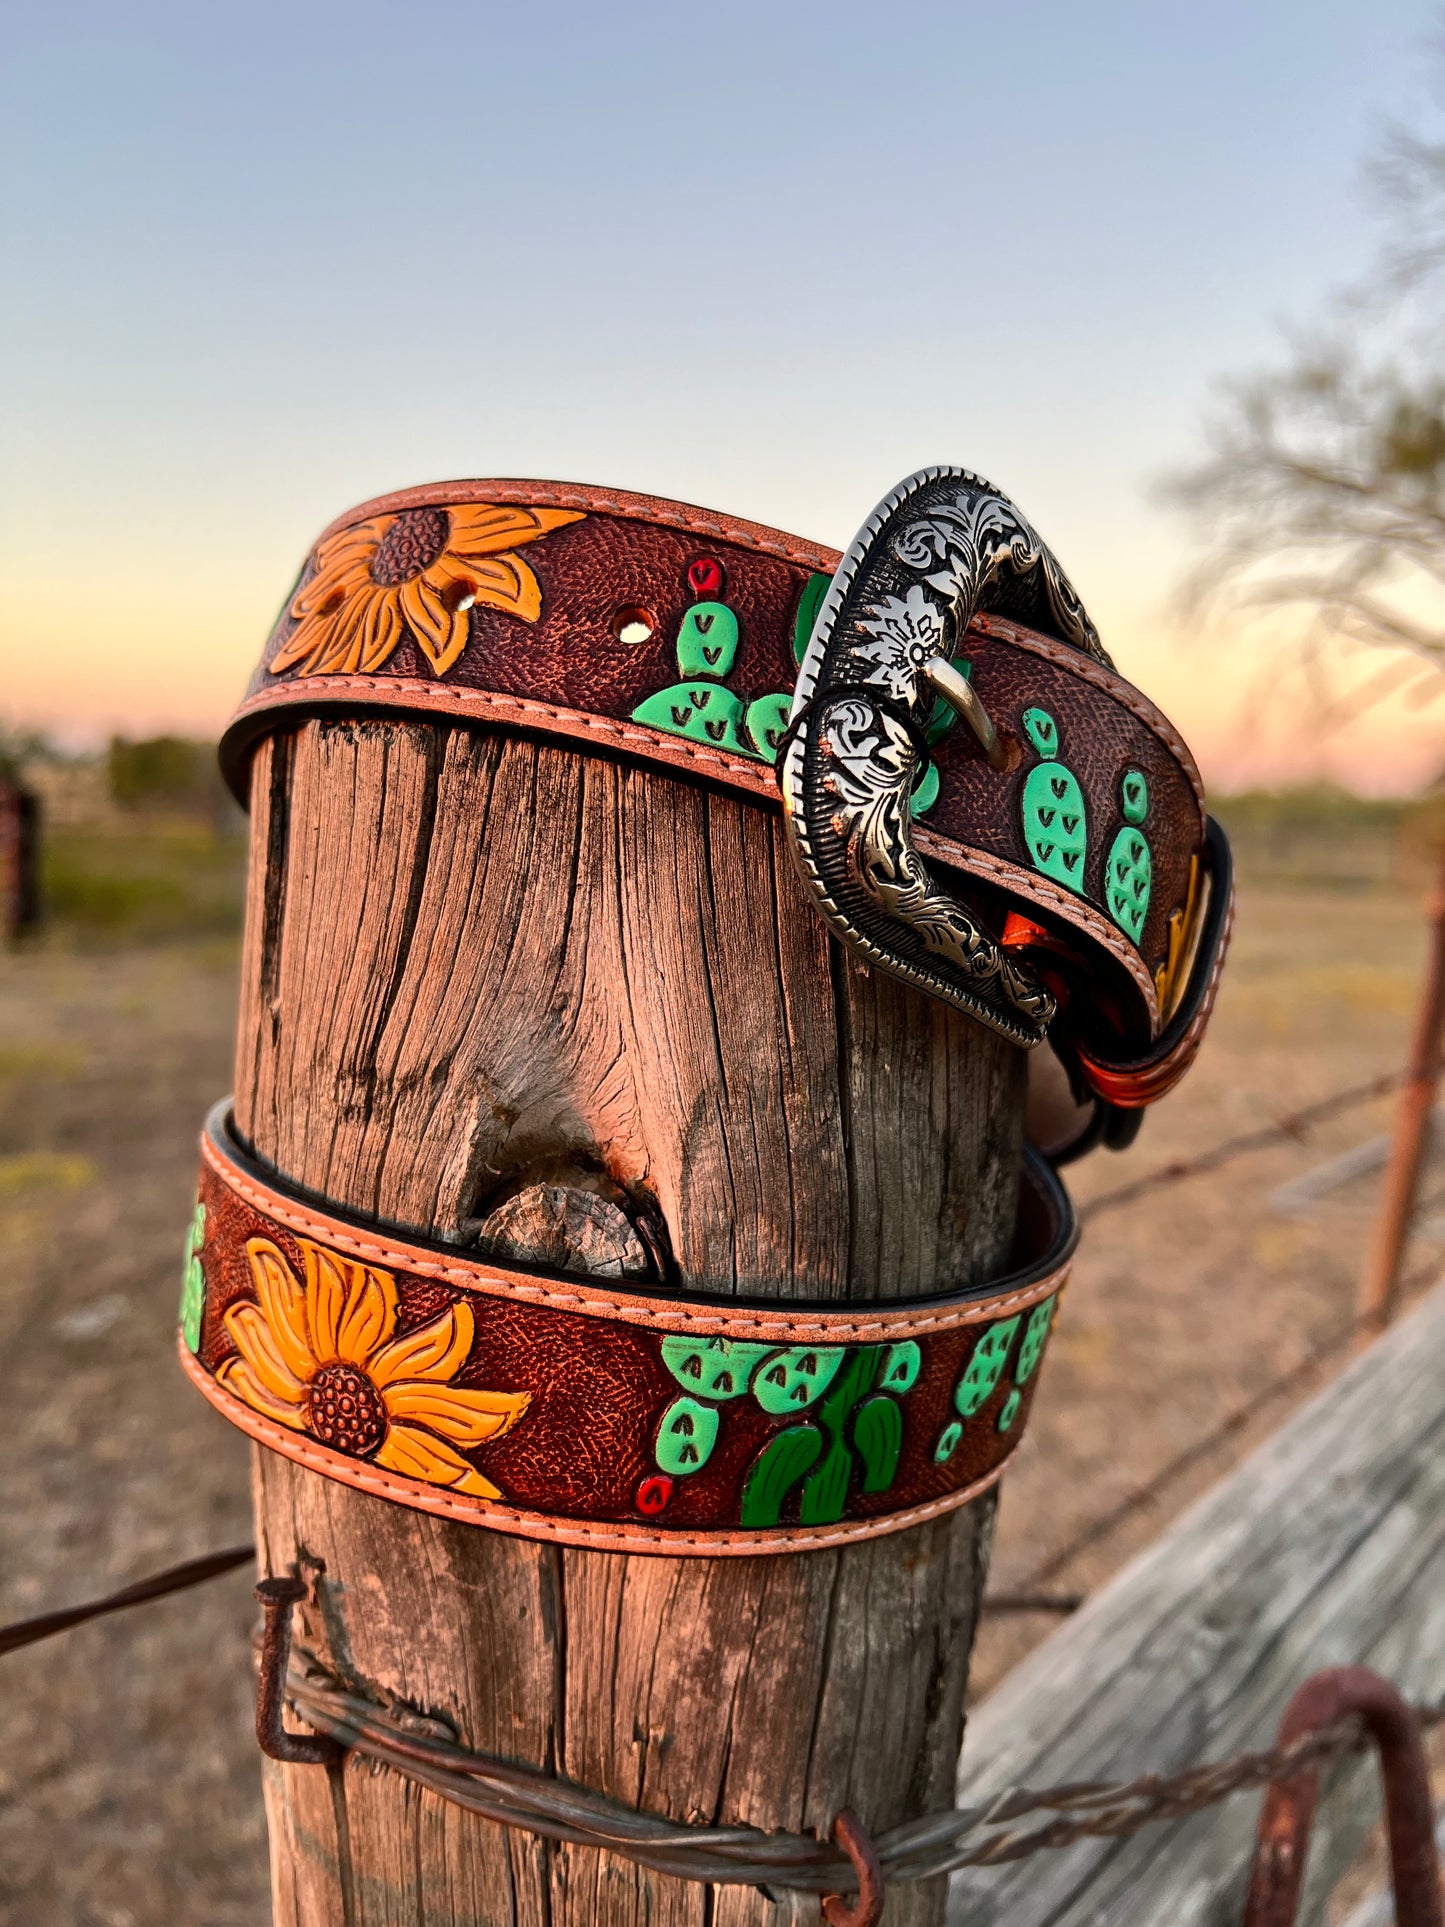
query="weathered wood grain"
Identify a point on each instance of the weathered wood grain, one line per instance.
(474, 965)
(1326, 1546)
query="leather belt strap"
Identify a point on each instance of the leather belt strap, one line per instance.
(1086, 877)
(565, 1409)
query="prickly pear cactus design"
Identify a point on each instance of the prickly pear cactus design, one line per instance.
(193, 1282)
(701, 707)
(1032, 1348)
(806, 619)
(705, 712)
(1055, 828)
(686, 1436)
(981, 1378)
(1129, 872)
(717, 1368)
(853, 1430)
(985, 1367)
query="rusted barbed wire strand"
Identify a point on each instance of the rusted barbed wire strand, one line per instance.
(195, 1572)
(1142, 1497)
(191, 1572)
(1295, 1126)
(920, 1849)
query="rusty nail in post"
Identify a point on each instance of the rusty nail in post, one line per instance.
(277, 1597)
(1339, 1693)
(867, 1910)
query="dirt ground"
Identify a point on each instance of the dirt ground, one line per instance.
(129, 1784)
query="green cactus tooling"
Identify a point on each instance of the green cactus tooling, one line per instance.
(776, 1470)
(193, 1281)
(1032, 1348)
(825, 1492)
(947, 1442)
(1009, 1411)
(806, 619)
(686, 1436)
(703, 711)
(717, 1368)
(766, 720)
(878, 1435)
(1134, 795)
(1055, 829)
(857, 1421)
(1129, 873)
(901, 1365)
(985, 1367)
(707, 642)
(789, 1381)
(925, 791)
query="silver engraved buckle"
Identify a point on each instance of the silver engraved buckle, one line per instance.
(940, 548)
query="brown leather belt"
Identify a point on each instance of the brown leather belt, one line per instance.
(568, 1409)
(1073, 883)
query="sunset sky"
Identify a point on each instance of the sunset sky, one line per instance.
(264, 262)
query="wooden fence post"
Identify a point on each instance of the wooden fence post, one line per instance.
(19, 865)
(1380, 1286)
(473, 962)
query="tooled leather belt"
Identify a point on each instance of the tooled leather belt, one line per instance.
(604, 1415)
(1074, 886)
(976, 801)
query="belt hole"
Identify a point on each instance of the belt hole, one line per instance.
(633, 624)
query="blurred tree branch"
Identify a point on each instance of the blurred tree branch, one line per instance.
(1322, 491)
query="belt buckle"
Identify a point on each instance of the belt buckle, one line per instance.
(942, 547)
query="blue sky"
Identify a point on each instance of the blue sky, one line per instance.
(262, 263)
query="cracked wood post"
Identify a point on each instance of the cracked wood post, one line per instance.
(473, 963)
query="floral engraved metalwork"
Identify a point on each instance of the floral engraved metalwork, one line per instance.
(941, 548)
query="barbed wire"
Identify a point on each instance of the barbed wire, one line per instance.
(1142, 1497)
(1296, 1125)
(425, 1751)
(191, 1572)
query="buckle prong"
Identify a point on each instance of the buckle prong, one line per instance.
(962, 698)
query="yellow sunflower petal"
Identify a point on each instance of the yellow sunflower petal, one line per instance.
(327, 588)
(325, 1299)
(283, 1305)
(505, 582)
(381, 631)
(416, 1455)
(470, 1418)
(253, 1339)
(483, 529)
(433, 1351)
(369, 1314)
(347, 642)
(236, 1375)
(351, 1307)
(352, 545)
(342, 564)
(441, 630)
(306, 645)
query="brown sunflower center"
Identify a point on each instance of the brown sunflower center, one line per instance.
(412, 543)
(346, 1410)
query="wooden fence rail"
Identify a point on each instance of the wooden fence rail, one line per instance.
(1326, 1546)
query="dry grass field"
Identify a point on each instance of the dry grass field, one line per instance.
(129, 1783)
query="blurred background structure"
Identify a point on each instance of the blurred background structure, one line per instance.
(771, 261)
